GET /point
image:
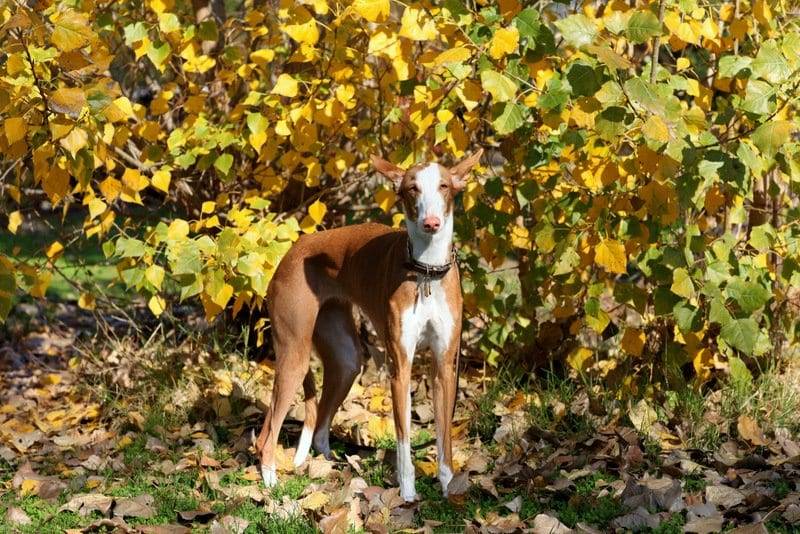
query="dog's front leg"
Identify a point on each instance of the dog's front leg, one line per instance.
(401, 403)
(444, 397)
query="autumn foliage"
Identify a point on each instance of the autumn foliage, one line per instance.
(641, 187)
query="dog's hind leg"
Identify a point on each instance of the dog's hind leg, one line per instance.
(336, 340)
(310, 422)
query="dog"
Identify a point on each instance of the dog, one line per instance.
(407, 284)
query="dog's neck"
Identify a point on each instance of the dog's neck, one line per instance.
(433, 249)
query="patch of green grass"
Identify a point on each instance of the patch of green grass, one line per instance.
(778, 526)
(587, 509)
(261, 521)
(44, 515)
(172, 494)
(694, 484)
(557, 391)
(767, 397)
(386, 442)
(376, 471)
(781, 487)
(586, 485)
(673, 525)
(136, 456)
(452, 517)
(292, 487)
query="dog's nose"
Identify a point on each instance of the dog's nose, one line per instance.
(431, 223)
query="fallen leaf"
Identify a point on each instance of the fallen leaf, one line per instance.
(546, 524)
(750, 431)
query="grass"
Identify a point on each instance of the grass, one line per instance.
(262, 521)
(81, 262)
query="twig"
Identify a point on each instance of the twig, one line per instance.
(662, 5)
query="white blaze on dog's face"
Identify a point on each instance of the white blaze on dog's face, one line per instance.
(427, 191)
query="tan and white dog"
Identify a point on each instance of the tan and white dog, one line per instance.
(406, 284)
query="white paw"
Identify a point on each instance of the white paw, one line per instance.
(408, 496)
(269, 476)
(303, 447)
(445, 476)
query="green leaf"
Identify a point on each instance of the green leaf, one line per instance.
(646, 94)
(499, 86)
(223, 163)
(537, 36)
(577, 30)
(130, 248)
(740, 374)
(555, 97)
(770, 64)
(741, 334)
(682, 283)
(771, 136)
(510, 119)
(759, 98)
(730, 65)
(159, 54)
(750, 296)
(610, 122)
(642, 26)
(583, 79)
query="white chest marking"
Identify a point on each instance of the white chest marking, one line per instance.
(428, 323)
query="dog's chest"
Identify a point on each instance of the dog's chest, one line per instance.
(428, 322)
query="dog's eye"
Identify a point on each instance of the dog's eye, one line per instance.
(414, 188)
(443, 186)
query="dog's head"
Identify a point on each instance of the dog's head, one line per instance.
(427, 190)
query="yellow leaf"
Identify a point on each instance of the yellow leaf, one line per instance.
(178, 229)
(315, 501)
(263, 56)
(41, 284)
(307, 225)
(110, 188)
(96, 207)
(610, 255)
(471, 195)
(208, 206)
(380, 427)
(762, 12)
(15, 129)
(14, 221)
(453, 55)
(134, 180)
(386, 198)
(54, 250)
(504, 42)
(417, 25)
(86, 301)
(285, 86)
(56, 184)
(372, 10)
(317, 211)
(71, 30)
(656, 129)
(579, 357)
(303, 27)
(257, 140)
(161, 180)
(157, 305)
(69, 100)
(155, 275)
(75, 140)
(29, 486)
(124, 442)
(633, 341)
(683, 63)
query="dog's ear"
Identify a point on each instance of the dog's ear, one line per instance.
(388, 169)
(460, 170)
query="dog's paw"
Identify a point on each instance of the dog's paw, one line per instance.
(269, 476)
